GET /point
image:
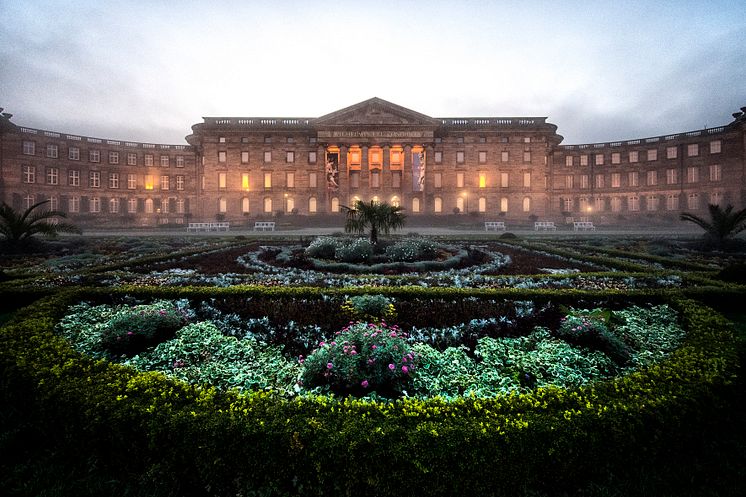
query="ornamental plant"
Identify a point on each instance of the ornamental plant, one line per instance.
(135, 329)
(371, 308)
(362, 358)
(590, 329)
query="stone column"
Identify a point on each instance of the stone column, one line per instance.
(406, 179)
(386, 172)
(344, 177)
(364, 173)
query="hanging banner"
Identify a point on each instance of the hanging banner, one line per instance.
(418, 171)
(332, 171)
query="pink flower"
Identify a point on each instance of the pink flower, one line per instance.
(129, 333)
(329, 365)
(321, 344)
(371, 361)
(392, 334)
(404, 359)
(391, 367)
(333, 344)
(364, 383)
(374, 346)
(405, 369)
(353, 352)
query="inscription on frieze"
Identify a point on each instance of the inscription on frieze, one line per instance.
(375, 134)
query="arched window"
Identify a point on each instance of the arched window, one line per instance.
(415, 205)
(437, 204)
(245, 205)
(395, 201)
(289, 204)
(335, 204)
(526, 204)
(482, 204)
(148, 205)
(312, 204)
(504, 204)
(222, 205)
(113, 205)
(460, 204)
(267, 205)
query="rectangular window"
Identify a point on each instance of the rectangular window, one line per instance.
(53, 176)
(29, 147)
(354, 179)
(438, 157)
(312, 157)
(568, 181)
(568, 160)
(113, 157)
(482, 180)
(131, 159)
(692, 150)
(149, 182)
(221, 139)
(165, 205)
(616, 180)
(165, 161)
(653, 154)
(396, 179)
(504, 156)
(73, 177)
(267, 180)
(459, 157)
(634, 156)
(289, 157)
(715, 146)
(54, 203)
(692, 174)
(73, 204)
(132, 205)
(633, 204)
(222, 205)
(94, 204)
(165, 182)
(671, 152)
(222, 180)
(245, 181)
(267, 157)
(600, 204)
(599, 159)
(652, 203)
(616, 158)
(438, 180)
(671, 176)
(459, 180)
(148, 160)
(73, 153)
(567, 205)
(527, 156)
(692, 201)
(375, 179)
(715, 172)
(633, 178)
(527, 180)
(113, 180)
(584, 181)
(244, 157)
(652, 179)
(179, 161)
(312, 180)
(672, 202)
(131, 182)
(29, 174)
(222, 156)
(290, 179)
(599, 181)
(583, 160)
(616, 204)
(94, 156)
(94, 179)
(482, 157)
(504, 180)
(53, 151)
(180, 206)
(716, 198)
(179, 182)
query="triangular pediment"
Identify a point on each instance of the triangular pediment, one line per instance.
(375, 111)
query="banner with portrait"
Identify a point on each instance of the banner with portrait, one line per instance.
(418, 171)
(331, 169)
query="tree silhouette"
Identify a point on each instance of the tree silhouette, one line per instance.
(723, 225)
(17, 227)
(378, 217)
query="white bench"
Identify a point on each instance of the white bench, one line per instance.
(544, 225)
(494, 225)
(583, 225)
(264, 226)
(208, 227)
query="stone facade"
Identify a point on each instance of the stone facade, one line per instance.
(242, 169)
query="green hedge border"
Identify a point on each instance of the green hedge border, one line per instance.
(170, 438)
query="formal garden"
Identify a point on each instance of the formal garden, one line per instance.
(366, 362)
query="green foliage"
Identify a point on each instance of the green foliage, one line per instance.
(373, 308)
(362, 358)
(378, 217)
(357, 250)
(412, 249)
(322, 247)
(17, 227)
(590, 329)
(723, 224)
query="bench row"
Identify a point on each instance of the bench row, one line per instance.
(540, 225)
(209, 227)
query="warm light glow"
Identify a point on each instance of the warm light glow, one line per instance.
(149, 182)
(482, 180)
(245, 181)
(589, 209)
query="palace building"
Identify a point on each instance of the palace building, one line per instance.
(238, 169)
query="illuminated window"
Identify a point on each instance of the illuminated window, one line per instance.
(245, 181)
(459, 180)
(634, 156)
(312, 180)
(692, 150)
(460, 204)
(53, 176)
(53, 151)
(584, 205)
(290, 179)
(437, 204)
(482, 180)
(482, 203)
(527, 180)
(504, 204)
(504, 180)
(394, 201)
(355, 156)
(715, 172)
(335, 204)
(715, 147)
(397, 158)
(149, 184)
(221, 139)
(312, 204)
(415, 204)
(245, 205)
(671, 152)
(375, 157)
(222, 180)
(526, 204)
(267, 205)
(244, 157)
(222, 205)
(267, 180)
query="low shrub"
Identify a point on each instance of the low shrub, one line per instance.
(362, 358)
(373, 308)
(412, 249)
(590, 329)
(323, 247)
(358, 250)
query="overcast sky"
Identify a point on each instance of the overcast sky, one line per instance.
(148, 70)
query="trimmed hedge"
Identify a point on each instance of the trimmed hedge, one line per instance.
(147, 432)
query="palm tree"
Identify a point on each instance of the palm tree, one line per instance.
(17, 228)
(723, 225)
(378, 217)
